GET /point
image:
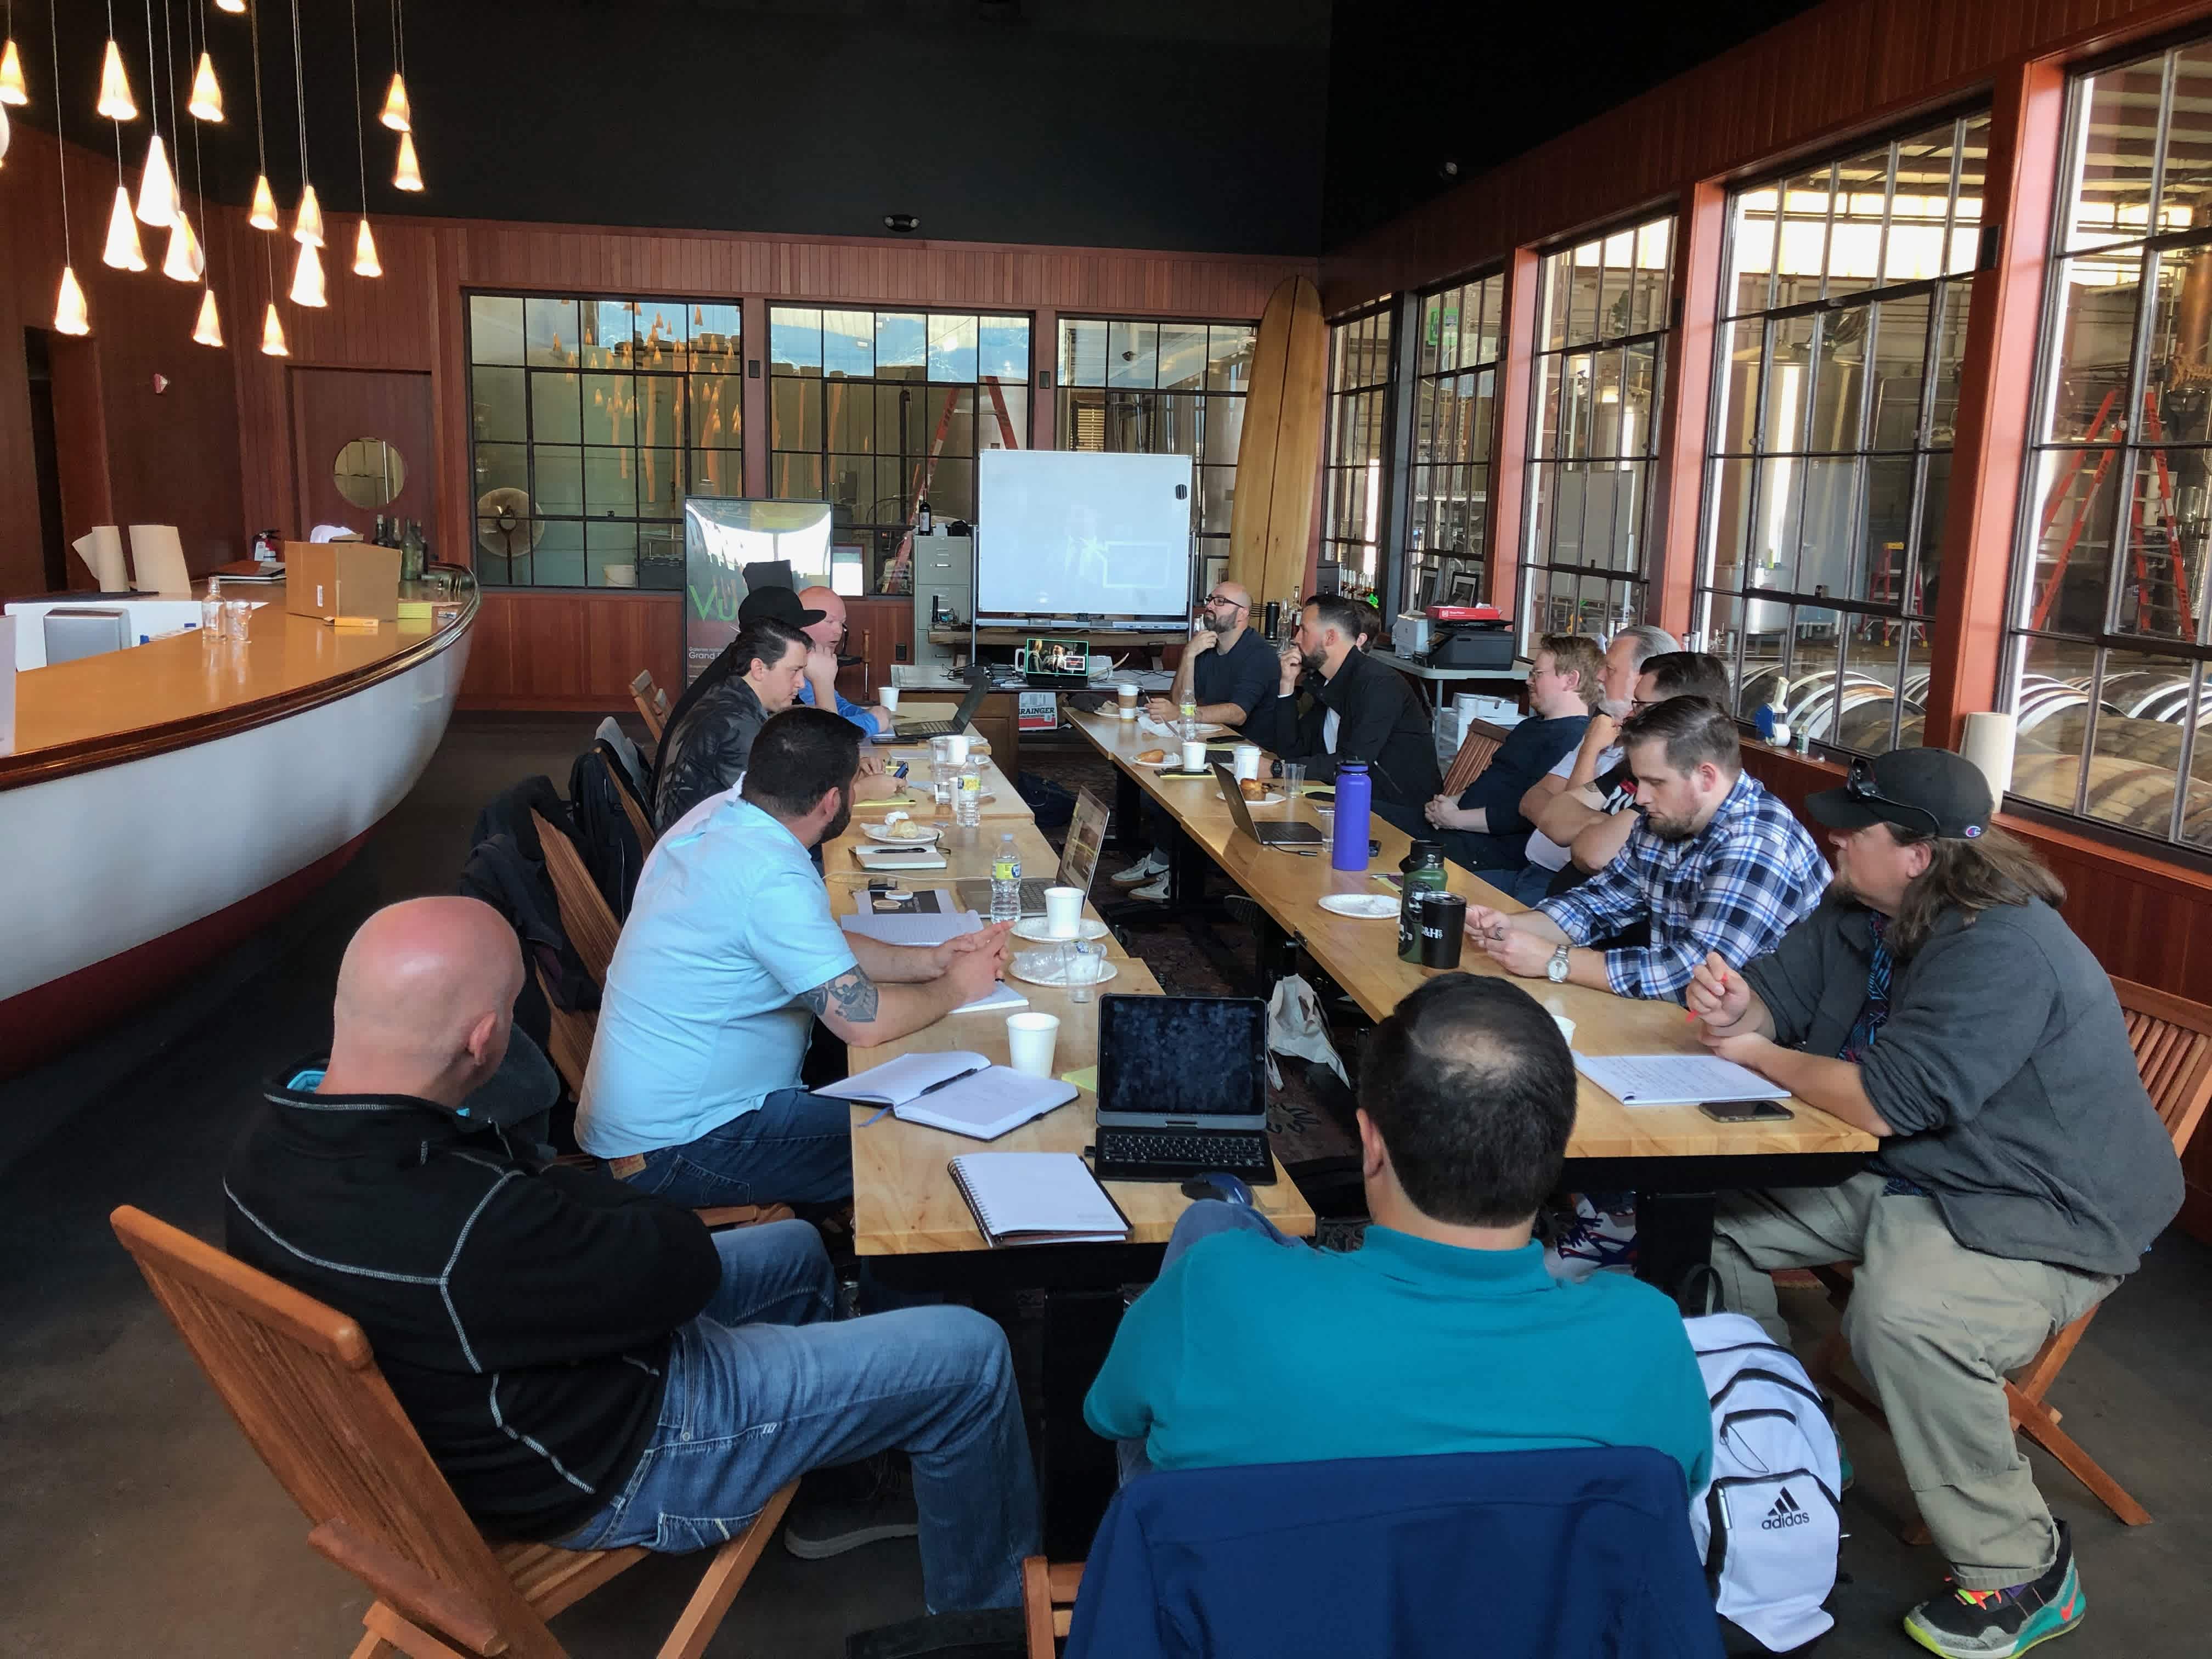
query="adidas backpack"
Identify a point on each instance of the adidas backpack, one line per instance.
(1767, 1522)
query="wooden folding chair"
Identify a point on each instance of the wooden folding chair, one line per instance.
(1476, 751)
(2172, 1037)
(299, 1379)
(638, 821)
(1048, 1602)
(652, 702)
(590, 925)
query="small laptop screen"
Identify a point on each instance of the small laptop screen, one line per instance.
(1184, 1056)
(1086, 834)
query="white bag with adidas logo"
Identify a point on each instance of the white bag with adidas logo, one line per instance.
(1767, 1523)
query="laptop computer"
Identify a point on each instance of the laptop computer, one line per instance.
(1078, 861)
(1272, 833)
(1183, 1088)
(908, 732)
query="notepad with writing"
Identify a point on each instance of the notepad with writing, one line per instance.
(1676, 1079)
(1037, 1198)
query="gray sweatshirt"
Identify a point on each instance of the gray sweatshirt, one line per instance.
(2005, 1070)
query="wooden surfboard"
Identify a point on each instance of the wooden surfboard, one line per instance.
(1278, 456)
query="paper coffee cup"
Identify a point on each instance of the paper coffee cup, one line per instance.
(956, 748)
(1127, 691)
(889, 696)
(1030, 1038)
(1063, 911)
(1194, 755)
(1246, 758)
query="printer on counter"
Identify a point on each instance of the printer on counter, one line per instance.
(1454, 636)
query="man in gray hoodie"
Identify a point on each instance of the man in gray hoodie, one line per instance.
(1937, 1000)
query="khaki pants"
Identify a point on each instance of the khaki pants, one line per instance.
(1935, 1329)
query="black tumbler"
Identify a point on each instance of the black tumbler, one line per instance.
(1443, 924)
(1274, 629)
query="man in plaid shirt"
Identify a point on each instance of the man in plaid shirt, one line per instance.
(1717, 864)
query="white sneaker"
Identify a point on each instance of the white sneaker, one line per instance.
(1146, 869)
(1155, 891)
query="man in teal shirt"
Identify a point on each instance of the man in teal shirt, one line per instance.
(1443, 1333)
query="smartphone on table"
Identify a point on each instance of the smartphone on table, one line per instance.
(1745, 1111)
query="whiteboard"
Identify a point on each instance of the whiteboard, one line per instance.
(1063, 533)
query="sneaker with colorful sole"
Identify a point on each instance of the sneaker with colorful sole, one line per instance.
(1969, 1623)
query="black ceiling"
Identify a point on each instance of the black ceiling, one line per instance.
(1237, 125)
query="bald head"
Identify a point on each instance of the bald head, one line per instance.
(425, 994)
(1227, 606)
(831, 628)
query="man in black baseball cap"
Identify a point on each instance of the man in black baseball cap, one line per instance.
(1937, 1000)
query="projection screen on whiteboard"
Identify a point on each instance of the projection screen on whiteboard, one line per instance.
(1066, 533)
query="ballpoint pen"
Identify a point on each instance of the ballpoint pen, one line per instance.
(943, 1083)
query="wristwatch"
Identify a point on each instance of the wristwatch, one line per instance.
(1556, 969)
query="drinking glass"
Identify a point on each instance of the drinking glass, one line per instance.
(1082, 960)
(235, 616)
(1294, 778)
(942, 772)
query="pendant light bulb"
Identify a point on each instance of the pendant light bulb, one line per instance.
(236, 8)
(70, 316)
(157, 187)
(114, 88)
(208, 332)
(264, 215)
(3, 132)
(307, 277)
(410, 174)
(365, 262)
(273, 334)
(183, 262)
(398, 114)
(12, 89)
(307, 223)
(206, 103)
(123, 252)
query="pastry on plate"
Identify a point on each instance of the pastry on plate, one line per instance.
(1152, 757)
(1252, 789)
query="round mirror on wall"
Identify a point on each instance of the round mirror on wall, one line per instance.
(369, 472)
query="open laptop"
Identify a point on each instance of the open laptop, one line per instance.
(908, 732)
(1078, 861)
(1272, 833)
(1183, 1088)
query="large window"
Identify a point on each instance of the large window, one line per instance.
(1836, 385)
(1455, 414)
(592, 419)
(870, 410)
(2112, 629)
(1357, 451)
(1157, 388)
(1593, 409)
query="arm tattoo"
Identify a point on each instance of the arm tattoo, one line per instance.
(852, 993)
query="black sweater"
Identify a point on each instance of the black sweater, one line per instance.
(521, 1316)
(1381, 721)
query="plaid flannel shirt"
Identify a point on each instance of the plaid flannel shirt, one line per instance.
(1736, 887)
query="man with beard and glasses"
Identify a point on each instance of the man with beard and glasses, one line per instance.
(1717, 867)
(729, 956)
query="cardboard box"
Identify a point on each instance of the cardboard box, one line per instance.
(326, 580)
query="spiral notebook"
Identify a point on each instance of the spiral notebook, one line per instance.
(1037, 1198)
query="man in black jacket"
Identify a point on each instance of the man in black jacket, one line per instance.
(1360, 710)
(586, 1364)
(704, 750)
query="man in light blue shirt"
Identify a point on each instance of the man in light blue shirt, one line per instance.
(729, 956)
(820, 689)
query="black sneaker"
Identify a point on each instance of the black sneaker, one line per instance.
(841, 1509)
(1966, 1624)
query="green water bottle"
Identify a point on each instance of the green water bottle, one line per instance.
(1421, 873)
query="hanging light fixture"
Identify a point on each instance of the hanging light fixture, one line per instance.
(237, 8)
(123, 252)
(263, 214)
(409, 175)
(307, 287)
(398, 114)
(3, 134)
(307, 223)
(207, 330)
(184, 262)
(70, 315)
(115, 88)
(157, 186)
(365, 262)
(273, 334)
(206, 103)
(12, 89)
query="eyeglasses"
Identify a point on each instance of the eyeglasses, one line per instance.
(1859, 787)
(1222, 599)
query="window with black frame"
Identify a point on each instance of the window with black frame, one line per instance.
(1602, 316)
(1835, 391)
(875, 411)
(2112, 620)
(1358, 448)
(1455, 419)
(591, 420)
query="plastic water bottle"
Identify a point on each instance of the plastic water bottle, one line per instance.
(1354, 791)
(211, 611)
(1189, 711)
(1007, 881)
(968, 796)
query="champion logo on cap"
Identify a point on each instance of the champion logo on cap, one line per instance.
(1972, 830)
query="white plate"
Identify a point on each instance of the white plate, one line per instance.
(1264, 801)
(1033, 927)
(1045, 968)
(1367, 907)
(924, 836)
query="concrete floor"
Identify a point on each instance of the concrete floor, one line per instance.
(135, 1518)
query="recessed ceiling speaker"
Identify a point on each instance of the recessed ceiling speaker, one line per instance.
(905, 223)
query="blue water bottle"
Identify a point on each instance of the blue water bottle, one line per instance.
(1354, 790)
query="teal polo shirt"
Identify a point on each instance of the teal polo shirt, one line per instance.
(1245, 1351)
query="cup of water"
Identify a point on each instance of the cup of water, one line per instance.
(942, 771)
(1081, 960)
(1294, 778)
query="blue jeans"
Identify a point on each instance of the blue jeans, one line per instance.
(794, 1148)
(766, 1385)
(1531, 884)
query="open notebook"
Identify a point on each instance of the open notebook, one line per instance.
(958, 1089)
(1037, 1198)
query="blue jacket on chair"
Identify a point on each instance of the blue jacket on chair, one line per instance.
(1574, 1554)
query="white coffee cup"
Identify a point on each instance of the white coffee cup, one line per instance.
(1030, 1038)
(1247, 758)
(1063, 911)
(889, 697)
(1566, 1028)
(1127, 691)
(956, 747)
(1193, 755)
